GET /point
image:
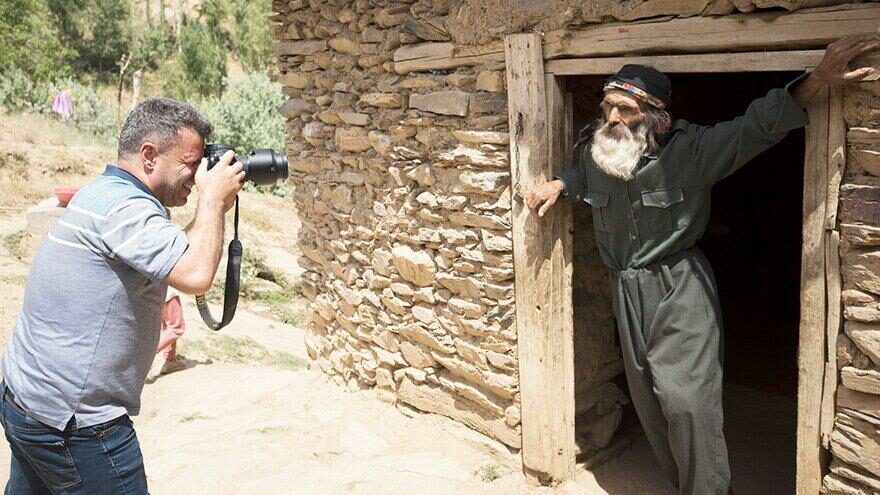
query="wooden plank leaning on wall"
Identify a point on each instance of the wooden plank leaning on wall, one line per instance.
(542, 264)
(811, 351)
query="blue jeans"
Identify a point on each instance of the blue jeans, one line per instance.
(99, 459)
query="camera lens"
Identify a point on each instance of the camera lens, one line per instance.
(263, 167)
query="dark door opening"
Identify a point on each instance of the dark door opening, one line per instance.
(753, 242)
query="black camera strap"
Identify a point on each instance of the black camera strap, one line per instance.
(233, 281)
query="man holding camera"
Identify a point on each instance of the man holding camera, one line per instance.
(87, 333)
(648, 180)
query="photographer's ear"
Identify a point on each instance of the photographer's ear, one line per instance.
(148, 154)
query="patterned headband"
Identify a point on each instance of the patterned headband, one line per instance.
(639, 93)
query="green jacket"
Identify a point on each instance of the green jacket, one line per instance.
(664, 208)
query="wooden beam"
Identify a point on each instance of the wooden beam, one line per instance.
(543, 270)
(832, 324)
(810, 28)
(836, 155)
(428, 56)
(811, 351)
(796, 60)
(764, 31)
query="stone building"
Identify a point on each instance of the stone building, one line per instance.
(413, 123)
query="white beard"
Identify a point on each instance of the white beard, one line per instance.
(619, 156)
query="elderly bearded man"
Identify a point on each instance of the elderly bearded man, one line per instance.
(648, 180)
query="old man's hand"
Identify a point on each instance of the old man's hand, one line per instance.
(541, 198)
(834, 67)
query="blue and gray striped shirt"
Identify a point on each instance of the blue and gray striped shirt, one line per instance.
(87, 332)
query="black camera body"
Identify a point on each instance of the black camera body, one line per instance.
(263, 167)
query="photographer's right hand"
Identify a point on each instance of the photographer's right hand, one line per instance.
(221, 183)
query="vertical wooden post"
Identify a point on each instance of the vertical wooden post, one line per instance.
(811, 352)
(836, 167)
(542, 264)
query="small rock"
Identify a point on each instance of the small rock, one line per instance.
(490, 80)
(354, 118)
(382, 100)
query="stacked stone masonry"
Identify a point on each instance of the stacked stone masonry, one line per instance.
(855, 440)
(403, 188)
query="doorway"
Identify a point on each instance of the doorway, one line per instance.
(753, 242)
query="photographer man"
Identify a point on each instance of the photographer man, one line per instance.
(88, 329)
(648, 180)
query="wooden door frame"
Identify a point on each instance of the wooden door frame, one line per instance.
(540, 125)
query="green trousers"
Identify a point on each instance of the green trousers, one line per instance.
(670, 327)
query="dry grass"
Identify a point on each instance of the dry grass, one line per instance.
(38, 153)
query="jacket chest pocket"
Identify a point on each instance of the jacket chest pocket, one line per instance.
(599, 203)
(659, 211)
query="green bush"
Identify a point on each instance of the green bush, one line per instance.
(247, 117)
(20, 92)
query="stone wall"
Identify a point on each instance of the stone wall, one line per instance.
(403, 191)
(855, 440)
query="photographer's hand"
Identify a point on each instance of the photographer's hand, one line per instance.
(222, 182)
(195, 270)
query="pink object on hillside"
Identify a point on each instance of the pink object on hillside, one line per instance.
(62, 105)
(173, 326)
(64, 194)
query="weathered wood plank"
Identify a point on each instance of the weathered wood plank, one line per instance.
(542, 266)
(765, 31)
(795, 60)
(832, 325)
(811, 352)
(759, 31)
(836, 155)
(428, 56)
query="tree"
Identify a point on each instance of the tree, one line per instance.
(30, 42)
(96, 30)
(200, 67)
(254, 42)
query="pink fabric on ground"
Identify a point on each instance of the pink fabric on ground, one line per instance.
(173, 326)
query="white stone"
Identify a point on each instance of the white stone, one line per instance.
(415, 356)
(423, 174)
(380, 142)
(382, 100)
(416, 267)
(481, 137)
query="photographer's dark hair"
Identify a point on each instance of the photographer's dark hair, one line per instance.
(159, 119)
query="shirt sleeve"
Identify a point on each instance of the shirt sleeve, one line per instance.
(722, 149)
(139, 234)
(575, 185)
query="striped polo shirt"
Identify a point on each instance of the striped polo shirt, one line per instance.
(87, 332)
